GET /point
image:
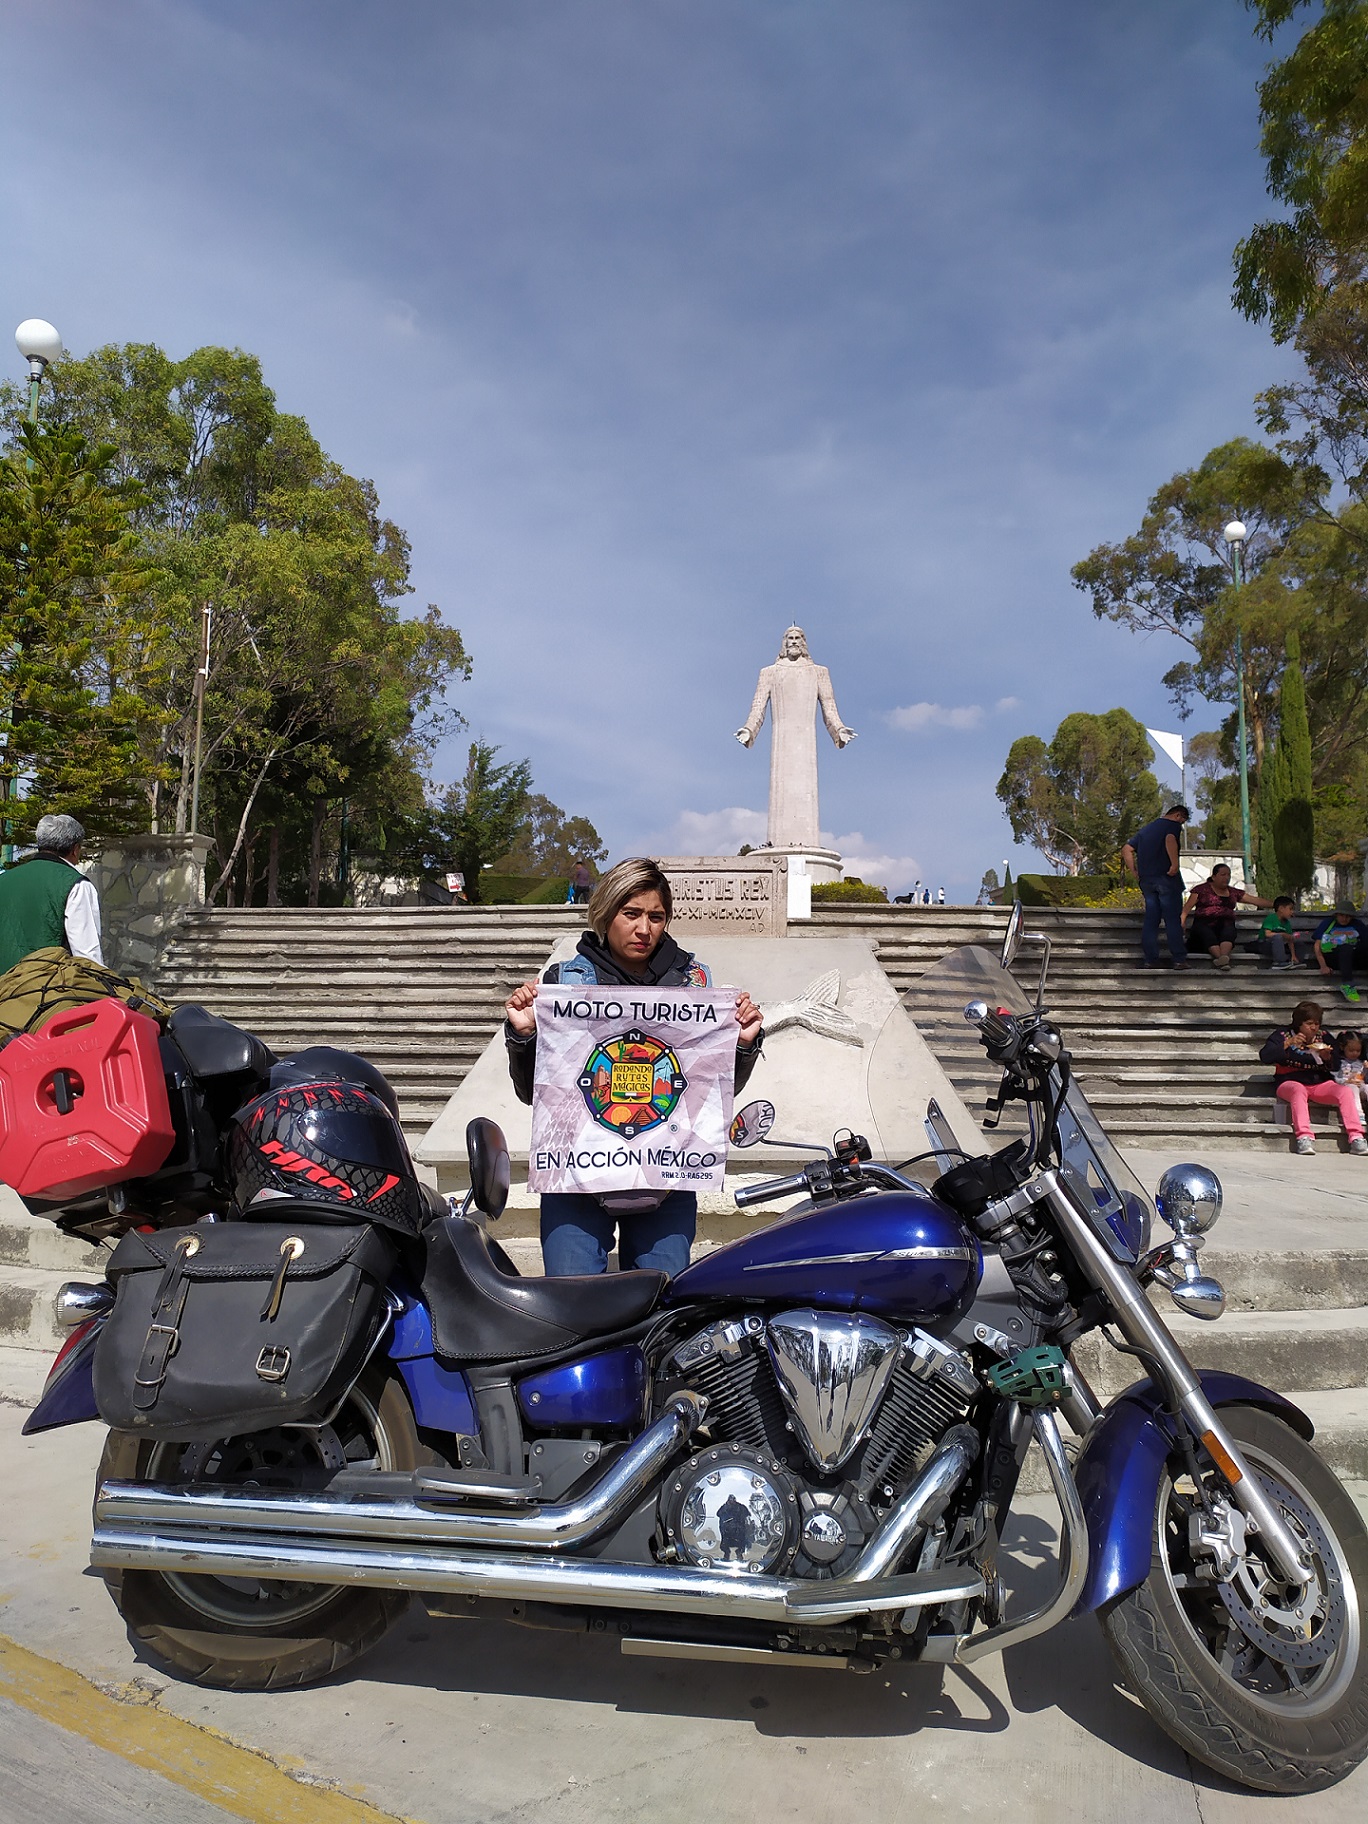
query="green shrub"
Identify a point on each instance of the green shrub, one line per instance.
(508, 889)
(549, 893)
(851, 890)
(1066, 889)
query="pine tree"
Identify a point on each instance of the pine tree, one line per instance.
(1294, 830)
(1273, 794)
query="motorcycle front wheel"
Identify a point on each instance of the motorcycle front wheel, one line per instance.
(262, 1634)
(1261, 1682)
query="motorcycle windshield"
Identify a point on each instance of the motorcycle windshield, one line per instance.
(1105, 1186)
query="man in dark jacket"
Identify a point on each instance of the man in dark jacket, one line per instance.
(1151, 856)
(627, 945)
(46, 902)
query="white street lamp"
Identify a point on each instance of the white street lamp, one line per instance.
(1235, 536)
(38, 342)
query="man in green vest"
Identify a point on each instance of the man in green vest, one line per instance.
(45, 900)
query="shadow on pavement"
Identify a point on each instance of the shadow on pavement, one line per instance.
(488, 1658)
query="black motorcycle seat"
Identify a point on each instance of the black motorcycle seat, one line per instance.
(481, 1313)
(215, 1048)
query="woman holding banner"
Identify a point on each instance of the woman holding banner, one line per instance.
(628, 944)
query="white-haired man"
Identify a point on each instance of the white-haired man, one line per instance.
(45, 900)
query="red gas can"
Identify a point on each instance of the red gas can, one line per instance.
(83, 1102)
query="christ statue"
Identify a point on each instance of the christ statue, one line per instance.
(792, 688)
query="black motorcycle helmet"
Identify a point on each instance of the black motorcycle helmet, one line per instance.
(326, 1151)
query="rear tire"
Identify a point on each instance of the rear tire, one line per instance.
(1258, 1717)
(243, 1634)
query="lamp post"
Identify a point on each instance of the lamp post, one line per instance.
(1235, 537)
(38, 342)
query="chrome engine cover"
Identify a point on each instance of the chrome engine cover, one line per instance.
(731, 1509)
(833, 1369)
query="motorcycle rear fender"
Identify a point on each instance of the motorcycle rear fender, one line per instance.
(69, 1396)
(1118, 1477)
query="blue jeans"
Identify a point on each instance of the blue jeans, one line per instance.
(1163, 902)
(577, 1234)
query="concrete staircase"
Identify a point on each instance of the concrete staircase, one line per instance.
(419, 990)
(1165, 1059)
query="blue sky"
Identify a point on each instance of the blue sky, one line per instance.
(659, 323)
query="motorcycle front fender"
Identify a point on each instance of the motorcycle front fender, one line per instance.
(1118, 1477)
(69, 1396)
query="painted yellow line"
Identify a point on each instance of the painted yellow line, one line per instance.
(237, 1779)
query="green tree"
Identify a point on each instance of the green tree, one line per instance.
(1313, 106)
(1294, 833)
(550, 844)
(320, 694)
(80, 648)
(1175, 574)
(1079, 798)
(475, 820)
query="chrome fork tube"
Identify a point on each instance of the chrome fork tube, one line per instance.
(1141, 1325)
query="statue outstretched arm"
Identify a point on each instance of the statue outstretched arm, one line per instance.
(750, 728)
(837, 729)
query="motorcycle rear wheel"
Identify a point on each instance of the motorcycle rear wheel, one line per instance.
(239, 1634)
(1278, 1706)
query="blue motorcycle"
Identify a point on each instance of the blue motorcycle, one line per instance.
(803, 1450)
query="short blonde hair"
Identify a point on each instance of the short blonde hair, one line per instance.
(624, 882)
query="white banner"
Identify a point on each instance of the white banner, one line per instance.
(633, 1089)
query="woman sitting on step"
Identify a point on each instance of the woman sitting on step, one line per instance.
(1304, 1059)
(1211, 906)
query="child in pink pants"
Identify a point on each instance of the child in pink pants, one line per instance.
(1305, 1059)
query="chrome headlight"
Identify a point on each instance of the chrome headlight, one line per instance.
(1189, 1199)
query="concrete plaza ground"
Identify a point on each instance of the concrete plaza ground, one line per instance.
(466, 1723)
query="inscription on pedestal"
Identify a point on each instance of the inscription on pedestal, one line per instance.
(728, 895)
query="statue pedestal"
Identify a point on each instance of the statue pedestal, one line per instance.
(820, 864)
(806, 867)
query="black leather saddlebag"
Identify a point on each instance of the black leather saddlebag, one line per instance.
(234, 1327)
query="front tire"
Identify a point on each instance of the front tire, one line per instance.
(246, 1634)
(1276, 1703)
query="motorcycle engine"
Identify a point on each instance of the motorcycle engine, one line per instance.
(815, 1420)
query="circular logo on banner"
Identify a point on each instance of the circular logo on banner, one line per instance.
(631, 1084)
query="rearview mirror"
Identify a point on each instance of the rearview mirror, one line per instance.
(490, 1172)
(1011, 937)
(751, 1124)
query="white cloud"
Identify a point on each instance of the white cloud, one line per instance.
(717, 832)
(867, 860)
(916, 717)
(1005, 703)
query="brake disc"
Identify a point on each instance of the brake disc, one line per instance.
(1295, 1627)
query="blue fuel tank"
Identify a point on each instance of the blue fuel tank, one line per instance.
(902, 1255)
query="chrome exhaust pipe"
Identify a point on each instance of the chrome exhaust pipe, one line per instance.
(572, 1523)
(589, 1583)
(915, 1510)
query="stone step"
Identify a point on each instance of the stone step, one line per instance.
(1321, 1350)
(26, 1317)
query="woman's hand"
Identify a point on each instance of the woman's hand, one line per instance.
(520, 1009)
(749, 1018)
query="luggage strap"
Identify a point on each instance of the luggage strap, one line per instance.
(163, 1333)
